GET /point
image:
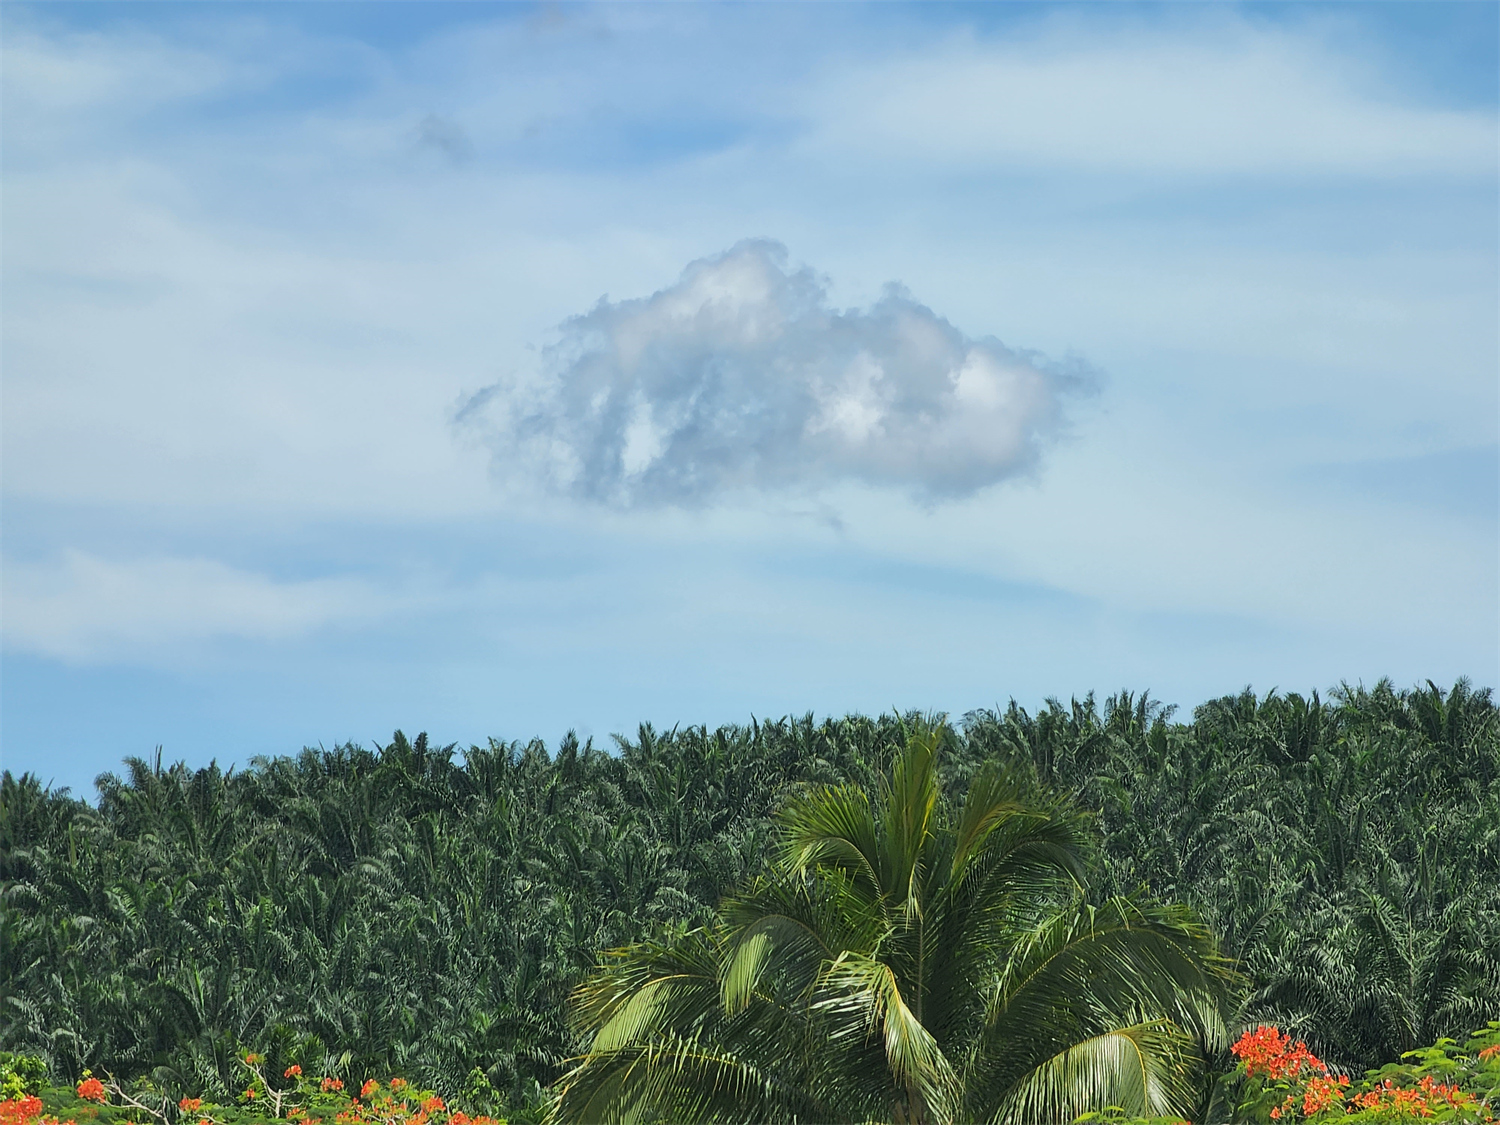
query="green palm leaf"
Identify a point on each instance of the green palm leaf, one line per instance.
(911, 964)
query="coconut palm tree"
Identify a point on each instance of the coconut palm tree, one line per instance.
(907, 962)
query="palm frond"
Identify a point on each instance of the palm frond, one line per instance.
(1144, 1069)
(833, 826)
(863, 997)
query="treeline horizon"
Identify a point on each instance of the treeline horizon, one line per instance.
(615, 742)
(394, 910)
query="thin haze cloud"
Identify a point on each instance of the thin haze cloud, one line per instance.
(742, 376)
(1247, 103)
(87, 609)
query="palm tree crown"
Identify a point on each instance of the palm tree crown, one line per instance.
(907, 961)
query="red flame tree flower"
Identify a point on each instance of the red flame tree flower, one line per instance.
(1285, 1082)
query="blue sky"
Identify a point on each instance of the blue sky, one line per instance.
(501, 370)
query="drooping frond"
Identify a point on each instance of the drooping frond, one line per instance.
(1112, 959)
(637, 987)
(775, 954)
(833, 826)
(862, 996)
(994, 795)
(674, 1081)
(1144, 1069)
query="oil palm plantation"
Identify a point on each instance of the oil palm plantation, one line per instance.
(422, 915)
(910, 961)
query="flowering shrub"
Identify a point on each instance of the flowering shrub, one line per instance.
(1266, 1051)
(297, 1098)
(26, 1110)
(1283, 1081)
(15, 1111)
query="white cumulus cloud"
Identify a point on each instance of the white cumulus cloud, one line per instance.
(742, 376)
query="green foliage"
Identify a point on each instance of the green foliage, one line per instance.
(415, 915)
(306, 1100)
(1279, 1083)
(21, 1075)
(1347, 852)
(1472, 1066)
(907, 959)
(405, 909)
(1115, 1115)
(63, 1103)
(1447, 1082)
(479, 1095)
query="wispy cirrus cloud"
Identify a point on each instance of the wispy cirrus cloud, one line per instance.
(741, 375)
(1216, 97)
(86, 608)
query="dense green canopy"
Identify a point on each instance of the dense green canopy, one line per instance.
(908, 960)
(431, 915)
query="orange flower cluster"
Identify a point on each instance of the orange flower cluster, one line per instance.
(293, 1071)
(394, 1109)
(1310, 1092)
(14, 1111)
(1419, 1102)
(26, 1111)
(329, 1085)
(187, 1105)
(1267, 1051)
(92, 1090)
(1321, 1092)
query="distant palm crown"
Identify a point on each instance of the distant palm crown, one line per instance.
(907, 963)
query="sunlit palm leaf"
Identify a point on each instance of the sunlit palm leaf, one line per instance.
(1144, 1069)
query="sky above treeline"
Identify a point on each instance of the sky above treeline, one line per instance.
(500, 370)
